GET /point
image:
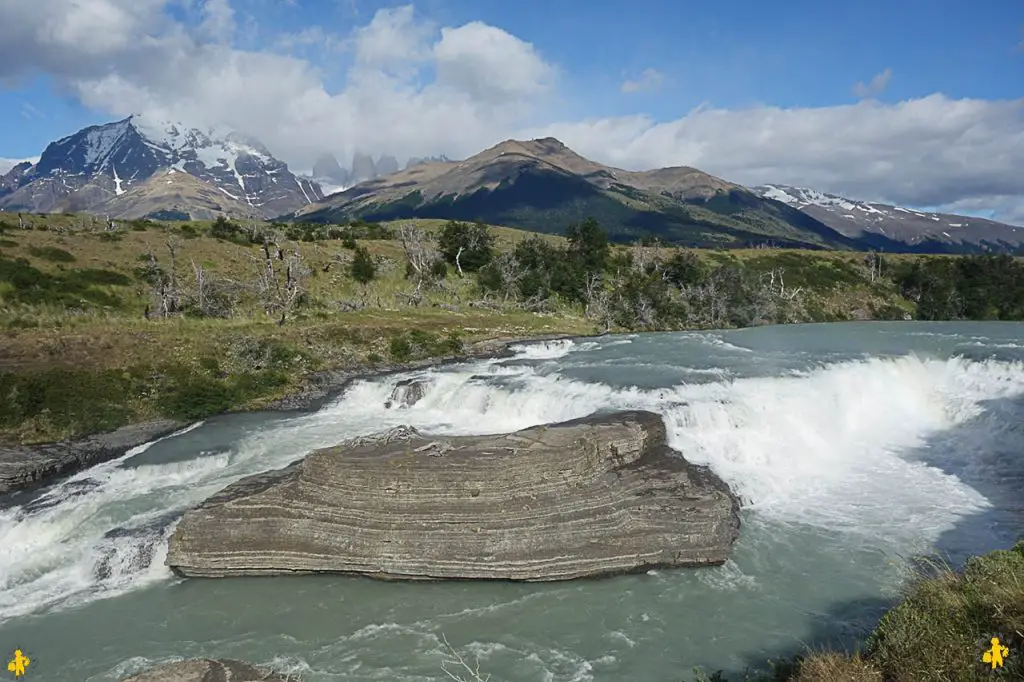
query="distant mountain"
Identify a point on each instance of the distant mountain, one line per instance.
(89, 169)
(543, 185)
(918, 230)
(416, 160)
(386, 165)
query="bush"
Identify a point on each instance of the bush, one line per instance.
(194, 397)
(400, 349)
(362, 268)
(80, 401)
(52, 254)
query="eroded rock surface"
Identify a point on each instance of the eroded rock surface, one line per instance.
(23, 466)
(594, 496)
(207, 670)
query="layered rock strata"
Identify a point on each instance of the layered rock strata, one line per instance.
(594, 496)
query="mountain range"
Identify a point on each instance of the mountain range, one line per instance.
(918, 229)
(542, 185)
(109, 169)
(332, 177)
(138, 167)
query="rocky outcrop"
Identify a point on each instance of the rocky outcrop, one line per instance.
(23, 466)
(594, 496)
(407, 393)
(208, 670)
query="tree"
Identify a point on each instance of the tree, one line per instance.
(362, 268)
(588, 246)
(281, 286)
(467, 247)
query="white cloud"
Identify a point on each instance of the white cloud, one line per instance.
(650, 79)
(490, 64)
(417, 89)
(928, 151)
(876, 86)
(218, 20)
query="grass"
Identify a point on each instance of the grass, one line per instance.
(77, 355)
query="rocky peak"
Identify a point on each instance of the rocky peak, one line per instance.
(363, 167)
(327, 167)
(386, 165)
(114, 157)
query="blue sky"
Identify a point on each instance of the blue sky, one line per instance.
(753, 91)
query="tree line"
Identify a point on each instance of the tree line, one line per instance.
(649, 286)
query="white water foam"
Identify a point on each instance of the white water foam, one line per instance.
(830, 448)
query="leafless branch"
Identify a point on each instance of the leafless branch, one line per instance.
(462, 668)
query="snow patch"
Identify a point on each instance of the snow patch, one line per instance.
(101, 141)
(228, 193)
(772, 192)
(118, 190)
(955, 224)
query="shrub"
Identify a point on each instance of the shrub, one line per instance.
(52, 254)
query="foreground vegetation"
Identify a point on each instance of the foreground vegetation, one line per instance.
(106, 323)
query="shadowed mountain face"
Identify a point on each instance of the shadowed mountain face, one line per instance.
(919, 230)
(91, 169)
(543, 185)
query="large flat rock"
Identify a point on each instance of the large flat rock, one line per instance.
(23, 466)
(594, 496)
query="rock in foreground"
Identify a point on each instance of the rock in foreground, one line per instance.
(207, 670)
(594, 496)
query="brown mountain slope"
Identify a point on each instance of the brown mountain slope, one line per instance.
(176, 195)
(544, 186)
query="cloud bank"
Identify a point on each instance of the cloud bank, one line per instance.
(413, 88)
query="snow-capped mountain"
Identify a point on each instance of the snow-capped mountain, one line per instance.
(860, 219)
(101, 162)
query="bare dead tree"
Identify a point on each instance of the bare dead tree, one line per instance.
(166, 292)
(598, 301)
(462, 672)
(511, 274)
(213, 296)
(874, 263)
(280, 280)
(421, 254)
(645, 256)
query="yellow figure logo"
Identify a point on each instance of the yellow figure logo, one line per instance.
(996, 654)
(18, 664)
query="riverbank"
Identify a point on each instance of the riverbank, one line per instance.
(942, 629)
(25, 466)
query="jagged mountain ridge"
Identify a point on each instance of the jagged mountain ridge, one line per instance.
(543, 185)
(102, 162)
(858, 219)
(333, 177)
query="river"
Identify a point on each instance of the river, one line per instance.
(853, 446)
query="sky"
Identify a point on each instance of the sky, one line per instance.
(912, 102)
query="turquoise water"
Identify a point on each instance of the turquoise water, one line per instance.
(853, 446)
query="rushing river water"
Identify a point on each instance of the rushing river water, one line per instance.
(853, 447)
